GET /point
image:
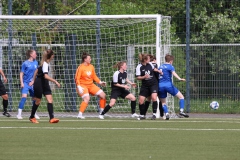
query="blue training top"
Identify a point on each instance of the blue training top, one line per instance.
(166, 78)
(28, 68)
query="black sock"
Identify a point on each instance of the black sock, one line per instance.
(154, 107)
(147, 103)
(50, 110)
(5, 105)
(133, 106)
(142, 109)
(34, 110)
(160, 108)
(106, 109)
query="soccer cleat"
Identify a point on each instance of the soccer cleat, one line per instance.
(183, 114)
(153, 117)
(36, 116)
(134, 115)
(80, 117)
(101, 116)
(141, 117)
(19, 117)
(167, 116)
(33, 120)
(54, 120)
(6, 114)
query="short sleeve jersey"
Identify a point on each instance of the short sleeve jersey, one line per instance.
(44, 69)
(119, 78)
(142, 70)
(28, 68)
(166, 78)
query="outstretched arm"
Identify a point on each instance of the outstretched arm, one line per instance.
(4, 78)
(176, 75)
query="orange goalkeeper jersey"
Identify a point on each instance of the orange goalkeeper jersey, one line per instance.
(85, 74)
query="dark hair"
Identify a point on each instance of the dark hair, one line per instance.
(143, 56)
(169, 58)
(29, 52)
(84, 56)
(119, 64)
(152, 57)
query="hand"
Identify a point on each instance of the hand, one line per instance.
(102, 83)
(4, 79)
(126, 87)
(80, 89)
(134, 85)
(22, 85)
(147, 76)
(160, 71)
(58, 84)
(31, 83)
(182, 79)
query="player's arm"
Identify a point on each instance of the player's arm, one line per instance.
(176, 75)
(77, 80)
(3, 75)
(21, 79)
(96, 79)
(131, 83)
(34, 77)
(138, 74)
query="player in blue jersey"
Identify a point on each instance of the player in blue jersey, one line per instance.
(145, 72)
(166, 86)
(120, 89)
(26, 79)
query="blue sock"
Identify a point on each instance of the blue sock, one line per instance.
(181, 104)
(165, 109)
(22, 102)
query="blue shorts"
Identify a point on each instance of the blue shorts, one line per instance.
(163, 90)
(27, 89)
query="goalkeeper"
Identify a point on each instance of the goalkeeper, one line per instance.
(84, 77)
(119, 89)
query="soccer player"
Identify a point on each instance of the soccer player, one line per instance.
(120, 89)
(26, 79)
(84, 77)
(166, 85)
(42, 87)
(4, 94)
(145, 72)
(156, 74)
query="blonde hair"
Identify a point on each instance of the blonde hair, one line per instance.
(119, 64)
(143, 56)
(46, 56)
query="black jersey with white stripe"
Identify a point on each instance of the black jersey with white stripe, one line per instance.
(120, 78)
(142, 70)
(44, 69)
(156, 73)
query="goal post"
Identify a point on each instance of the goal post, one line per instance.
(121, 37)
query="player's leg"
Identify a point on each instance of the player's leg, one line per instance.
(181, 104)
(147, 103)
(144, 92)
(154, 93)
(108, 107)
(31, 92)
(132, 98)
(162, 94)
(95, 90)
(4, 95)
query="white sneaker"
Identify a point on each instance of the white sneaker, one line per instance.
(134, 115)
(80, 117)
(101, 116)
(36, 116)
(19, 117)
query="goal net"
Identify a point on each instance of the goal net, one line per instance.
(107, 38)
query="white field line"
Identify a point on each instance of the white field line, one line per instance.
(93, 128)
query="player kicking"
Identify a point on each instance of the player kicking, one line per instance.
(120, 89)
(166, 86)
(26, 79)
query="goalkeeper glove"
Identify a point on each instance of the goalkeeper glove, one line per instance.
(80, 89)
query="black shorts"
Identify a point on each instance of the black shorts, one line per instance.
(119, 93)
(147, 91)
(3, 90)
(41, 87)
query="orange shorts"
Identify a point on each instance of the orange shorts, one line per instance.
(89, 89)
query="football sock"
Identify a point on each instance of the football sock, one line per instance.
(160, 108)
(106, 109)
(34, 109)
(83, 106)
(50, 110)
(181, 104)
(146, 105)
(142, 109)
(133, 106)
(165, 109)
(19, 112)
(154, 107)
(22, 102)
(5, 104)
(102, 103)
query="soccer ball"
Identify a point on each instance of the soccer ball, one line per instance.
(214, 105)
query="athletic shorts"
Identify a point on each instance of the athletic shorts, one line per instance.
(163, 90)
(119, 93)
(41, 87)
(89, 89)
(27, 89)
(3, 90)
(147, 91)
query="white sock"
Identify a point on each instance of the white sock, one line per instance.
(181, 110)
(19, 112)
